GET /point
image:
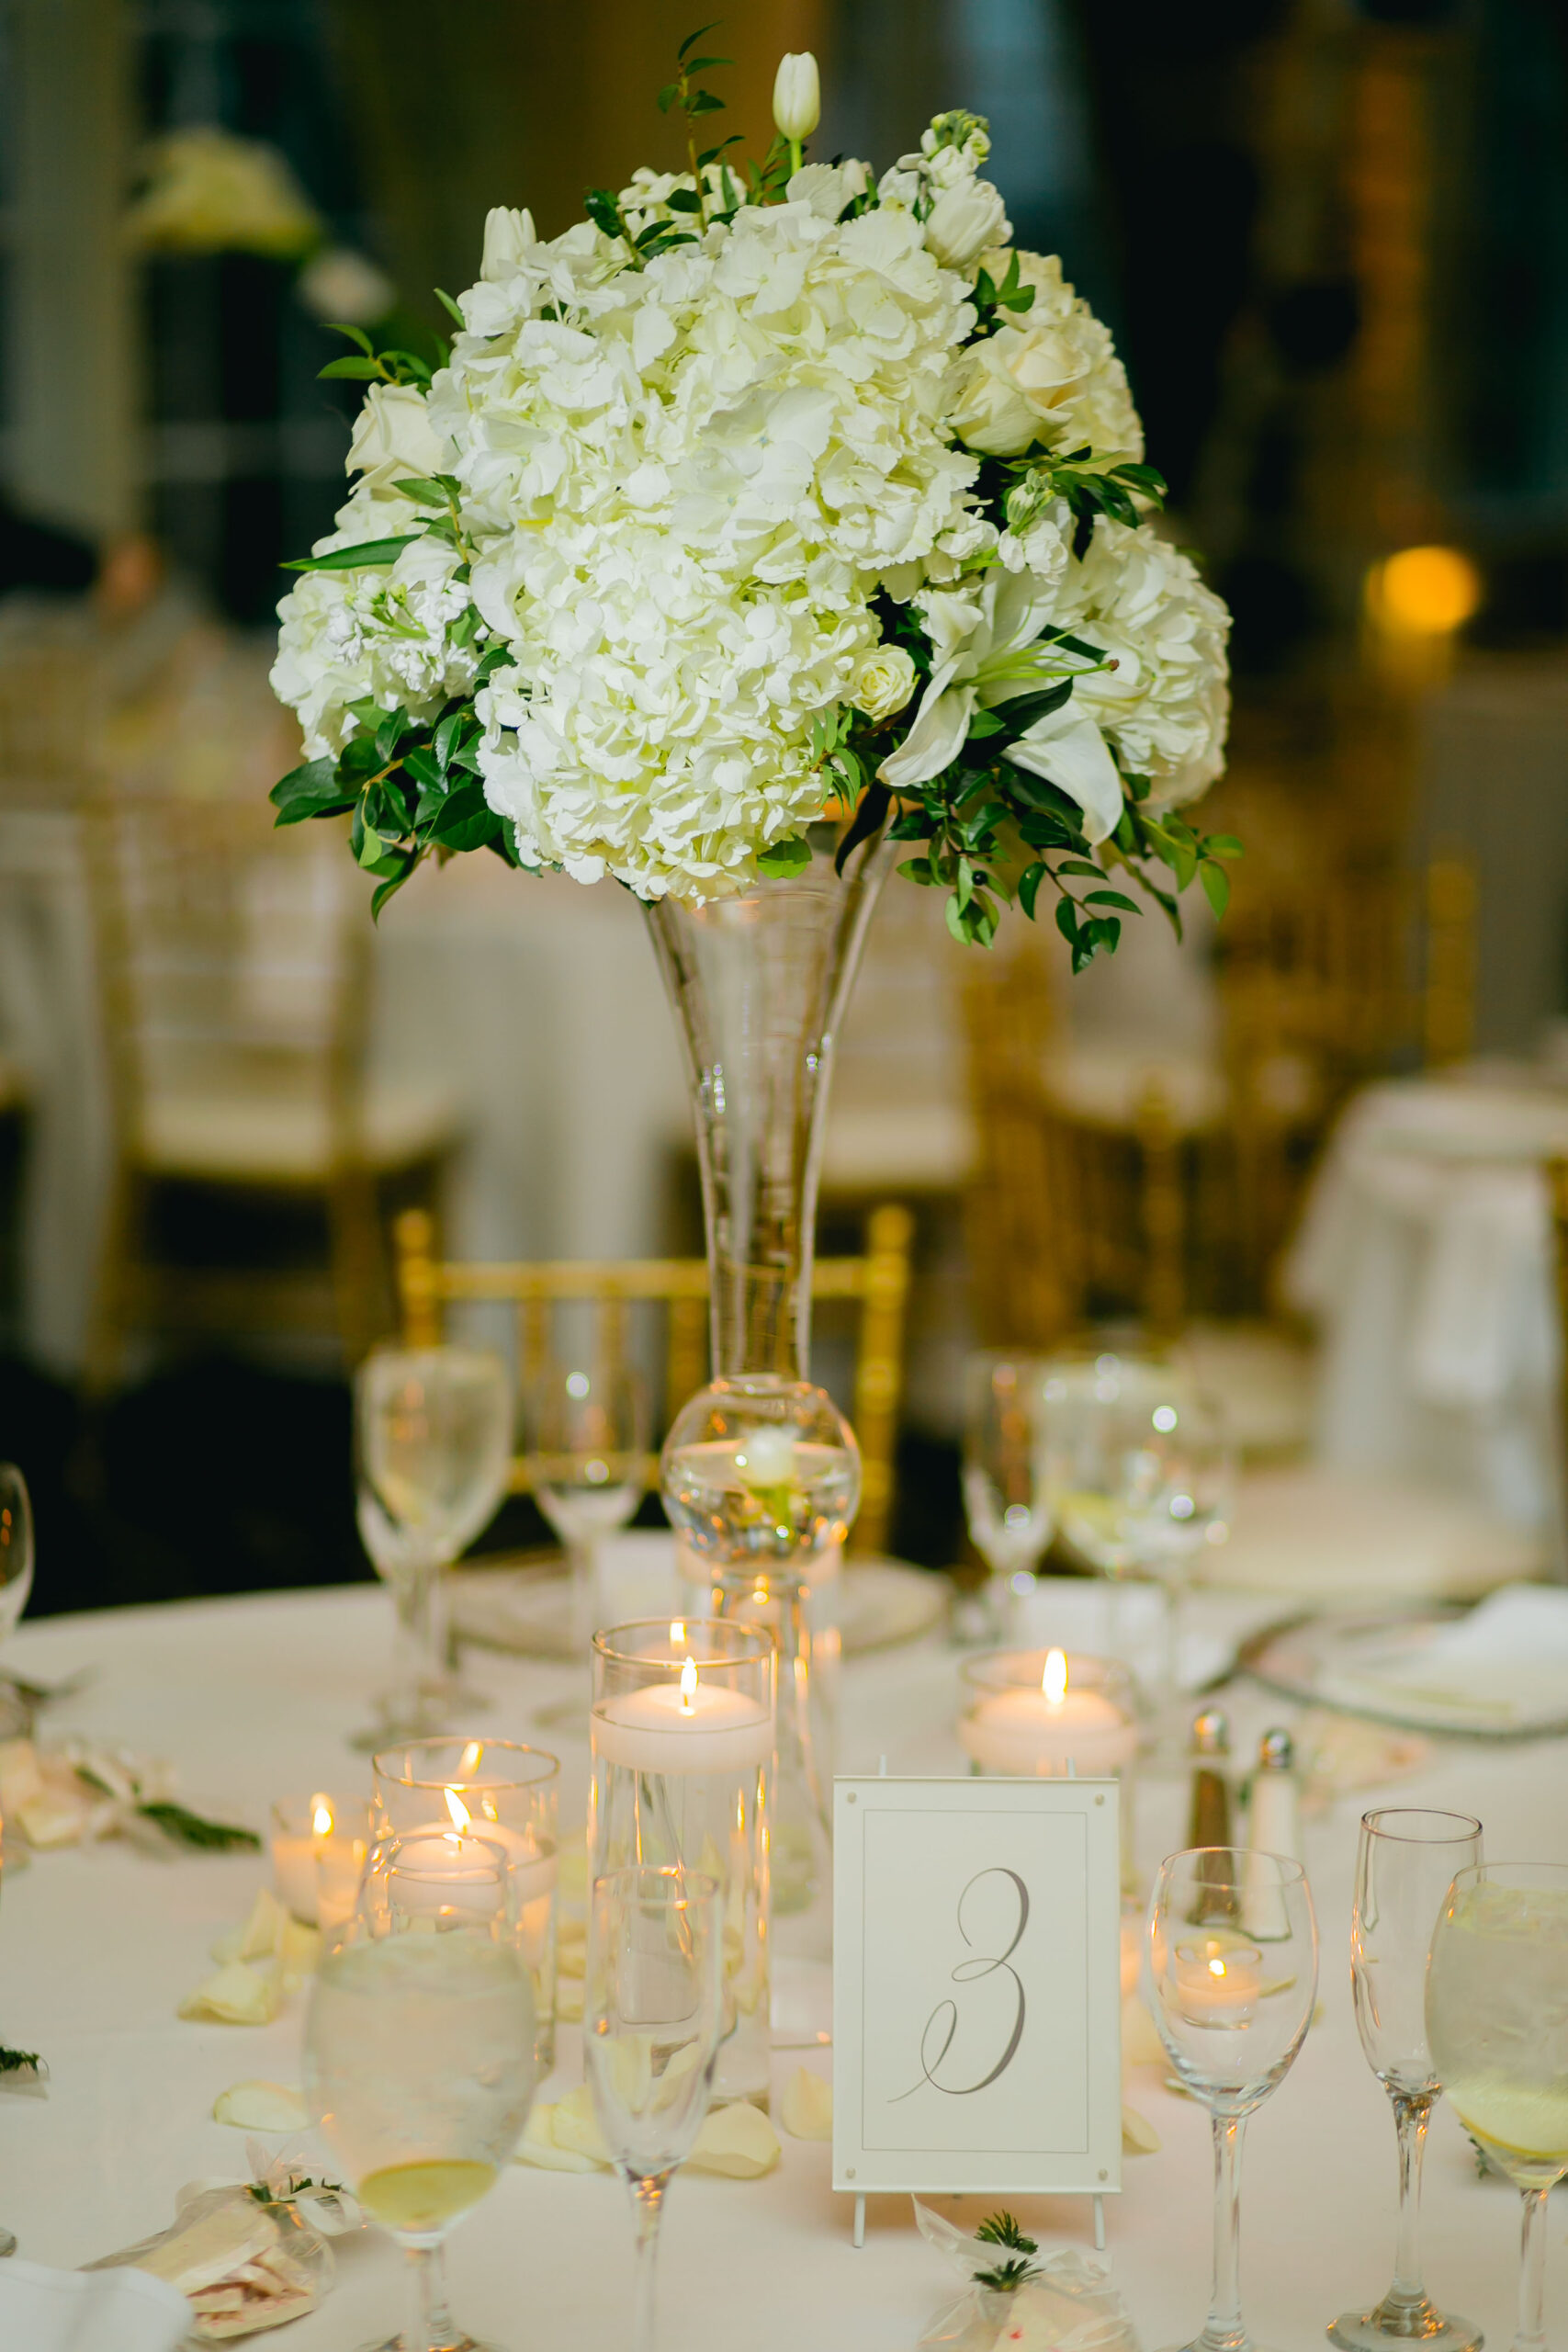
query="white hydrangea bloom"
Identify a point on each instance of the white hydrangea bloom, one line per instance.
(1165, 706)
(383, 633)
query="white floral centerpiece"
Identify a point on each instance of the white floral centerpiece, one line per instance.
(762, 496)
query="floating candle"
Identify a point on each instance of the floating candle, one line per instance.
(689, 1727)
(1021, 1728)
(1215, 1980)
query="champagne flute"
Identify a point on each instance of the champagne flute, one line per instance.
(1005, 1498)
(1407, 1860)
(651, 2013)
(1141, 1477)
(1497, 2022)
(433, 1437)
(1233, 2004)
(419, 2052)
(587, 1435)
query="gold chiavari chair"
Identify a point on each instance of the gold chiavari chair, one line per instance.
(878, 1281)
(232, 974)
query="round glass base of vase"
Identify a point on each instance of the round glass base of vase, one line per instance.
(1422, 2324)
(447, 2343)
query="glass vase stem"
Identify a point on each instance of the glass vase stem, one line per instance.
(1530, 2334)
(421, 1649)
(1223, 2330)
(647, 2207)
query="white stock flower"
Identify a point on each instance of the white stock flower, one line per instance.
(1049, 376)
(798, 96)
(828, 188)
(393, 439)
(965, 220)
(884, 682)
(508, 235)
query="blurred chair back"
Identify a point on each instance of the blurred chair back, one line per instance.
(877, 1283)
(232, 970)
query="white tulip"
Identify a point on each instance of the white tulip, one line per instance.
(507, 234)
(798, 96)
(393, 437)
(963, 220)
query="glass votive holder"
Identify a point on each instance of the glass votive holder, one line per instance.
(499, 1789)
(297, 1825)
(683, 1732)
(1051, 1714)
(342, 1832)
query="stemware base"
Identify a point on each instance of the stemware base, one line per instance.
(1380, 2329)
(403, 2343)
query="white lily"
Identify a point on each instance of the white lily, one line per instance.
(988, 652)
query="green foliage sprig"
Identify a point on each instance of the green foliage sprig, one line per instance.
(1007, 2278)
(20, 2062)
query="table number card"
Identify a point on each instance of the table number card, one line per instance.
(976, 2018)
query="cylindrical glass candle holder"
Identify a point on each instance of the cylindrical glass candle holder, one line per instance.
(499, 1789)
(682, 1729)
(343, 1829)
(1045, 1714)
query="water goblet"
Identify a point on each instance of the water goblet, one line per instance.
(1497, 2023)
(419, 2052)
(1406, 1862)
(434, 1444)
(651, 2014)
(587, 1435)
(1141, 1475)
(1233, 2004)
(1005, 1499)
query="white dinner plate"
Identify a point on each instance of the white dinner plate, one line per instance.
(1357, 1665)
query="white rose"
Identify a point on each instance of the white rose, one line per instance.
(393, 437)
(963, 220)
(798, 96)
(507, 235)
(884, 682)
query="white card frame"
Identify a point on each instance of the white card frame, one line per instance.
(902, 1850)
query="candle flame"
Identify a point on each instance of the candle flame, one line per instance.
(1054, 1682)
(462, 1819)
(1216, 1968)
(320, 1816)
(688, 1686)
(677, 1633)
(469, 1759)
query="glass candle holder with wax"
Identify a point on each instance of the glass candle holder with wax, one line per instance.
(510, 1794)
(683, 1731)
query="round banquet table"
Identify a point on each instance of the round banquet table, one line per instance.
(251, 1699)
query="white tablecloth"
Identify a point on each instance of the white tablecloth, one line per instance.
(1426, 1255)
(252, 1698)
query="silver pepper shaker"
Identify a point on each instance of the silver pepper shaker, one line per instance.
(1274, 1819)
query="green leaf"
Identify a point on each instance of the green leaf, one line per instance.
(1018, 715)
(684, 200)
(1216, 888)
(1081, 865)
(701, 64)
(187, 1828)
(365, 371)
(872, 808)
(368, 555)
(704, 102)
(422, 764)
(1067, 921)
(465, 820)
(389, 889)
(395, 725)
(1110, 899)
(692, 38)
(966, 886)
(667, 96)
(917, 869)
(784, 859)
(1223, 846)
(1028, 883)
(310, 791)
(451, 309)
(423, 490)
(355, 335)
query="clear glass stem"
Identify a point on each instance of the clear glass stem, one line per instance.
(1223, 2330)
(647, 2205)
(420, 1654)
(1530, 2334)
(583, 1563)
(1405, 2309)
(433, 2329)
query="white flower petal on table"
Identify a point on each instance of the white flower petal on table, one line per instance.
(805, 2109)
(259, 2106)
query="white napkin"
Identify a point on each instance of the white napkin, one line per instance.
(89, 2311)
(1505, 1665)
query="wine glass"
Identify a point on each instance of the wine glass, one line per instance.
(16, 1548)
(433, 1441)
(419, 2052)
(1407, 1860)
(1497, 2022)
(1231, 1971)
(1005, 1498)
(1141, 1476)
(587, 1434)
(651, 2014)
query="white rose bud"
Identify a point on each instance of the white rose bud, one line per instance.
(884, 682)
(963, 220)
(798, 96)
(506, 234)
(393, 437)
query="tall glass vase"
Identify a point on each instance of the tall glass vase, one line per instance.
(760, 1470)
